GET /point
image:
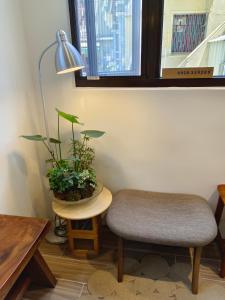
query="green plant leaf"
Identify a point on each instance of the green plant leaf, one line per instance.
(68, 117)
(55, 141)
(37, 137)
(93, 133)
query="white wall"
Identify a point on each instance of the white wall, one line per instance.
(21, 191)
(164, 140)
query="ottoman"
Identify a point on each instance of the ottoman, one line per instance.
(162, 218)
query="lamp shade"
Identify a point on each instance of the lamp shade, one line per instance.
(67, 58)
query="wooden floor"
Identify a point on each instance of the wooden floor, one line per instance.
(72, 274)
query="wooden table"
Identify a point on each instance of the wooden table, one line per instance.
(20, 261)
(84, 222)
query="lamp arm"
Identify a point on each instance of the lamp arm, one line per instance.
(42, 94)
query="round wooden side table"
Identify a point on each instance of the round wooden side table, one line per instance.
(84, 222)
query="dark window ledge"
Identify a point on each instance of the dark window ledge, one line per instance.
(140, 82)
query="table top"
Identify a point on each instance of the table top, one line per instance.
(85, 210)
(20, 237)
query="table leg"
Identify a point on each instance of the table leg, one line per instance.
(70, 236)
(39, 272)
(19, 289)
(84, 243)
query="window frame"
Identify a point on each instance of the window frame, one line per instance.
(152, 25)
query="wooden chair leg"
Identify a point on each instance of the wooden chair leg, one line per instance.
(196, 268)
(219, 211)
(120, 259)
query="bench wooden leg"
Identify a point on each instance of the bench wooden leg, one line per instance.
(120, 259)
(222, 266)
(196, 268)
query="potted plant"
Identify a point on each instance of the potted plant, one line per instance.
(71, 178)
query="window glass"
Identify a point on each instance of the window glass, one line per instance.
(194, 34)
(109, 35)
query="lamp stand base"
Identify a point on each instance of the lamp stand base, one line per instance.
(52, 238)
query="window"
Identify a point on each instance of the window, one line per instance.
(197, 38)
(128, 42)
(110, 36)
(188, 32)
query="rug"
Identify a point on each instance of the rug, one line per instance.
(152, 278)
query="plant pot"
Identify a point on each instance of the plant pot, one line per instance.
(96, 192)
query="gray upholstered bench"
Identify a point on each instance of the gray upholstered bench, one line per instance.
(162, 218)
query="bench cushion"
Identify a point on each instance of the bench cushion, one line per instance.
(162, 218)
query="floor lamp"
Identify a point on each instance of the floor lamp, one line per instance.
(67, 60)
